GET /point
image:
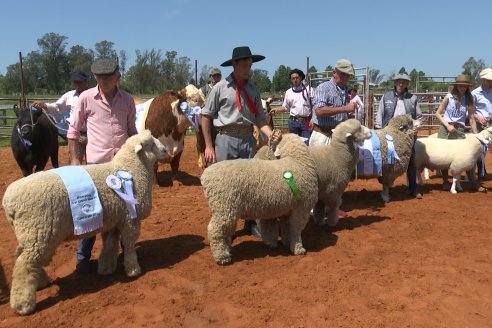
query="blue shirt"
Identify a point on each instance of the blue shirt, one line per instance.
(329, 94)
(483, 102)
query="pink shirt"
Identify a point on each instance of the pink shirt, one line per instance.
(108, 126)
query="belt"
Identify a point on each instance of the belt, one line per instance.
(299, 118)
(456, 125)
(236, 130)
(326, 130)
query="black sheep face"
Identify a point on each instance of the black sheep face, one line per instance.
(27, 123)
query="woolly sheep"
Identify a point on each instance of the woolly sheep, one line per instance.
(255, 188)
(455, 155)
(335, 164)
(402, 129)
(39, 211)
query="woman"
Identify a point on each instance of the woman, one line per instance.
(456, 107)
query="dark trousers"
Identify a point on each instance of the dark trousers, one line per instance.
(301, 128)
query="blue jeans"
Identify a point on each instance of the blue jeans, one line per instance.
(85, 248)
(301, 128)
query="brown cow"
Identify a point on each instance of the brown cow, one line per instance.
(167, 122)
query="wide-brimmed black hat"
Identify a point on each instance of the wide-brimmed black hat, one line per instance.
(78, 76)
(299, 72)
(242, 53)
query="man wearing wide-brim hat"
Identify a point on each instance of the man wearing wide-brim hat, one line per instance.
(400, 101)
(233, 107)
(483, 111)
(109, 114)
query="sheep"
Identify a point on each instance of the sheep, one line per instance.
(456, 155)
(335, 164)
(402, 130)
(39, 211)
(256, 188)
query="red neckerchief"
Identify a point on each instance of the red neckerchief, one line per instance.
(241, 86)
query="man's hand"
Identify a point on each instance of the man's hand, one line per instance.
(209, 154)
(39, 105)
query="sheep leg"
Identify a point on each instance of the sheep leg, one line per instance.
(129, 236)
(385, 195)
(107, 261)
(220, 230)
(419, 176)
(43, 279)
(297, 221)
(285, 231)
(332, 217)
(319, 213)
(269, 231)
(25, 281)
(456, 186)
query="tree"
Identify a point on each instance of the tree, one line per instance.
(260, 78)
(122, 60)
(402, 70)
(104, 49)
(281, 79)
(182, 72)
(203, 76)
(472, 68)
(329, 68)
(375, 76)
(55, 61)
(80, 58)
(145, 76)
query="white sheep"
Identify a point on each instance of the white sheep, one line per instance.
(39, 211)
(456, 155)
(255, 188)
(335, 164)
(401, 129)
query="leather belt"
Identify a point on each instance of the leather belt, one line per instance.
(299, 118)
(326, 130)
(456, 125)
(236, 130)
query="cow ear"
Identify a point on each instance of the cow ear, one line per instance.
(138, 147)
(16, 111)
(182, 94)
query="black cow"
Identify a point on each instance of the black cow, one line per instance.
(34, 139)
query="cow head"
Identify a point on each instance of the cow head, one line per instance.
(27, 119)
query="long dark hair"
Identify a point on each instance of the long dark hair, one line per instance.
(457, 98)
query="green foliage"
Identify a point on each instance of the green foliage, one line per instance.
(260, 78)
(104, 49)
(281, 79)
(472, 68)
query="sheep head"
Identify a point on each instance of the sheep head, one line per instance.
(351, 131)
(402, 124)
(144, 144)
(485, 136)
(291, 145)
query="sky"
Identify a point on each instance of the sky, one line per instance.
(433, 36)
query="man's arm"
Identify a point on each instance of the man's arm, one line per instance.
(207, 136)
(75, 151)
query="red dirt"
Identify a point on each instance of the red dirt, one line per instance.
(408, 263)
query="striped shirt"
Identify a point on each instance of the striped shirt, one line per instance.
(330, 95)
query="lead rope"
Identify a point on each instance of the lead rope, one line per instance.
(272, 146)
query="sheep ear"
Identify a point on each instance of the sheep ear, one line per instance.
(138, 148)
(348, 134)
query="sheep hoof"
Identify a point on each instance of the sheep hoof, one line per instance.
(105, 270)
(224, 261)
(453, 191)
(22, 308)
(134, 271)
(299, 250)
(385, 198)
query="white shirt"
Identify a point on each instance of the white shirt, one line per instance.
(67, 101)
(295, 103)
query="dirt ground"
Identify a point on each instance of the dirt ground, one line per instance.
(408, 263)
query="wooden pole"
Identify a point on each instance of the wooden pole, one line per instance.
(196, 73)
(307, 72)
(22, 100)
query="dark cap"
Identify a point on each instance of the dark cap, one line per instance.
(298, 72)
(78, 76)
(104, 66)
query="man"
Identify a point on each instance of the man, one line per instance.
(483, 114)
(109, 114)
(298, 102)
(331, 104)
(67, 102)
(401, 102)
(214, 77)
(233, 107)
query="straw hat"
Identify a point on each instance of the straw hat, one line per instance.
(462, 79)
